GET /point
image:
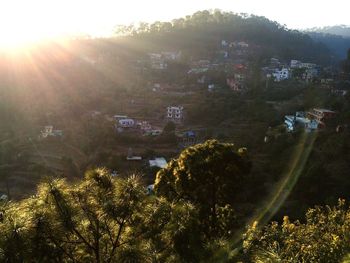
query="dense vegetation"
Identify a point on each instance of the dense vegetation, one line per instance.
(108, 219)
(337, 44)
(209, 28)
(101, 219)
(324, 237)
(104, 218)
(209, 192)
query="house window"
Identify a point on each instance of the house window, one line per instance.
(177, 116)
(169, 115)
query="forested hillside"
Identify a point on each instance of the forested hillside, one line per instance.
(340, 30)
(200, 188)
(202, 31)
(337, 44)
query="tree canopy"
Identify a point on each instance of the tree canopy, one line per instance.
(209, 175)
(205, 29)
(101, 219)
(324, 237)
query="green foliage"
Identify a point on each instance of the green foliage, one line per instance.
(209, 175)
(101, 219)
(324, 237)
(209, 27)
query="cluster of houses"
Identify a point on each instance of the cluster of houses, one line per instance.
(312, 120)
(231, 57)
(159, 162)
(234, 49)
(201, 66)
(48, 131)
(158, 61)
(236, 81)
(124, 123)
(282, 71)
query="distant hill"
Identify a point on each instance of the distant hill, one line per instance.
(200, 33)
(336, 38)
(340, 30)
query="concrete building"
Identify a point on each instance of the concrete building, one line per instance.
(293, 122)
(126, 123)
(282, 74)
(175, 114)
(50, 132)
(159, 162)
(322, 116)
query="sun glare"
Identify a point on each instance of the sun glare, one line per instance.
(19, 29)
(23, 23)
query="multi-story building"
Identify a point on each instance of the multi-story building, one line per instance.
(281, 74)
(175, 113)
(321, 116)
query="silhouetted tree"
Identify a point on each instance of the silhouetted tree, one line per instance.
(210, 176)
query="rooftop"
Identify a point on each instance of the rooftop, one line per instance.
(324, 110)
(158, 162)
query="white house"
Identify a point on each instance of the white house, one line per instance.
(308, 65)
(282, 74)
(126, 123)
(158, 162)
(299, 120)
(295, 63)
(175, 113)
(49, 131)
(289, 121)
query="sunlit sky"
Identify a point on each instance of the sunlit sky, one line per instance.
(26, 20)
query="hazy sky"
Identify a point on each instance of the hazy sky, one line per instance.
(24, 18)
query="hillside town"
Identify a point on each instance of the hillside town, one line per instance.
(212, 137)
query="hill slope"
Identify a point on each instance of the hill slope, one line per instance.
(199, 33)
(340, 30)
(336, 38)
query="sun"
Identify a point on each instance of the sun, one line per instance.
(14, 36)
(23, 22)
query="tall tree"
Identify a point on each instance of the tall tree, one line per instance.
(210, 176)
